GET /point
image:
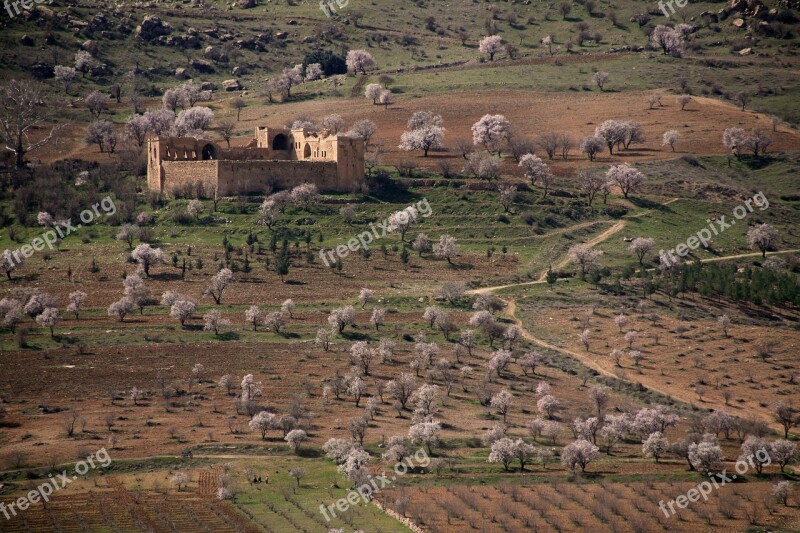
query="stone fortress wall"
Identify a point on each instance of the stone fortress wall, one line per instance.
(276, 158)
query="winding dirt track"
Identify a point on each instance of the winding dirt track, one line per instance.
(587, 359)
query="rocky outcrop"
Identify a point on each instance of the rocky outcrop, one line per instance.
(232, 85)
(748, 8)
(152, 28)
(202, 66)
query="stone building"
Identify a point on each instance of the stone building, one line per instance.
(277, 158)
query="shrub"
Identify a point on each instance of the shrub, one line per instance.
(615, 211)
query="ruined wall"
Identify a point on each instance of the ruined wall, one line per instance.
(333, 164)
(255, 176)
(181, 175)
(350, 157)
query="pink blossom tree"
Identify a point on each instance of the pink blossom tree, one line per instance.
(536, 170)
(579, 453)
(764, 237)
(491, 131)
(627, 178)
(655, 446)
(359, 61)
(491, 45)
(585, 256)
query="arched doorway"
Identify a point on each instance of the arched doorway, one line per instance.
(307, 152)
(280, 142)
(209, 152)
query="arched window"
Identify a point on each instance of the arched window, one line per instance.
(209, 152)
(307, 151)
(280, 142)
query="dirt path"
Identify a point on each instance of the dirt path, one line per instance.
(511, 310)
(740, 256)
(616, 228)
(587, 358)
(613, 230)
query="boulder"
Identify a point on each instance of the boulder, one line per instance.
(180, 73)
(100, 22)
(202, 66)
(100, 70)
(738, 23)
(710, 16)
(208, 86)
(236, 71)
(26, 40)
(246, 4)
(249, 44)
(41, 71)
(152, 27)
(281, 35)
(215, 53)
(745, 51)
(232, 85)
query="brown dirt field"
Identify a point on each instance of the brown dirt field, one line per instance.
(109, 506)
(679, 360)
(199, 412)
(560, 506)
(700, 125)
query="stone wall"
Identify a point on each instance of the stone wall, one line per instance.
(192, 167)
(181, 175)
(350, 157)
(254, 176)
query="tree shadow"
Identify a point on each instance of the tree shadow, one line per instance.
(165, 276)
(355, 336)
(756, 163)
(644, 203)
(310, 453)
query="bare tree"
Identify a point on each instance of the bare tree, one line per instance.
(225, 129)
(23, 109)
(742, 98)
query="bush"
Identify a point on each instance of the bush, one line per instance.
(446, 169)
(691, 161)
(183, 218)
(615, 211)
(406, 167)
(328, 61)
(528, 217)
